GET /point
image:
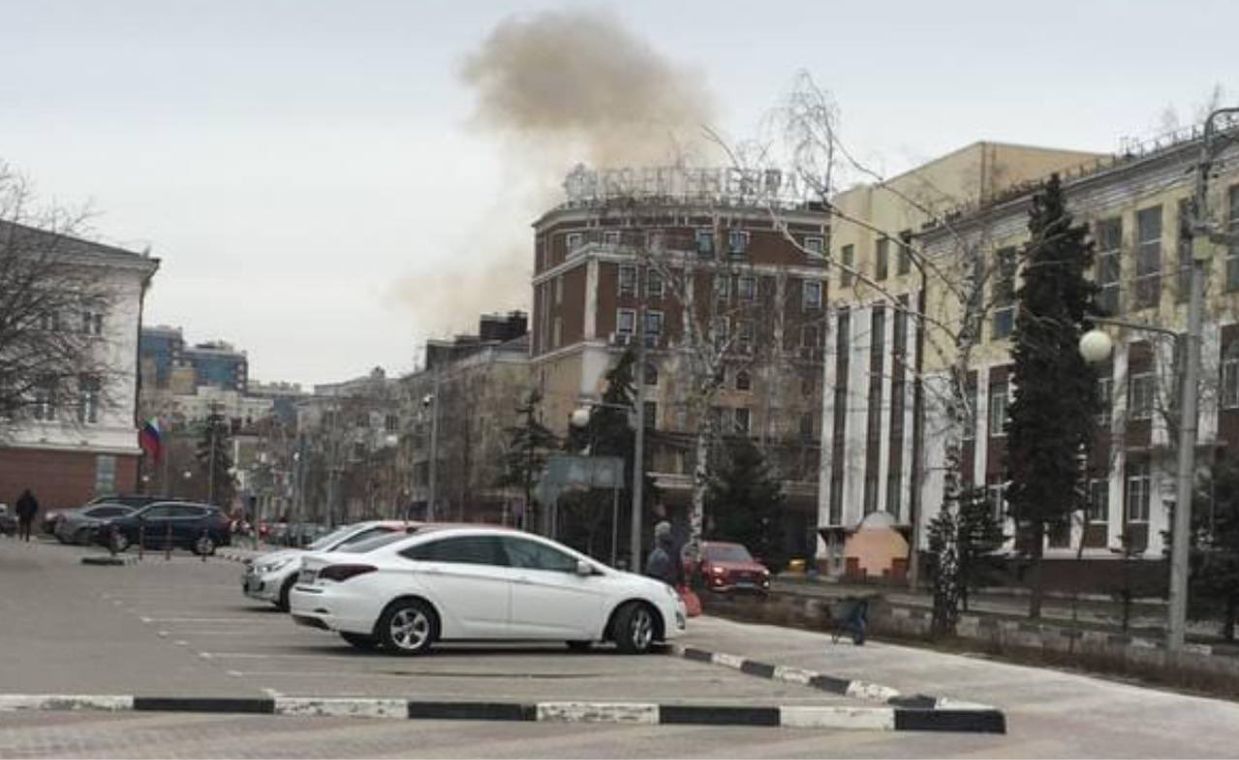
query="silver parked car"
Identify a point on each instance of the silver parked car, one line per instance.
(78, 526)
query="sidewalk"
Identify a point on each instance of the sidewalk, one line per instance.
(1147, 619)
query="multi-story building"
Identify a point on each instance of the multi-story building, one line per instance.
(1134, 205)
(167, 364)
(723, 288)
(77, 442)
(872, 424)
(474, 384)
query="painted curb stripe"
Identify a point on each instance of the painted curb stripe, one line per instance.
(809, 716)
(255, 705)
(718, 716)
(964, 721)
(472, 711)
(916, 701)
(760, 669)
(960, 719)
(597, 712)
(829, 683)
(699, 655)
(9, 702)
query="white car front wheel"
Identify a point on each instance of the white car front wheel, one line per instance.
(635, 628)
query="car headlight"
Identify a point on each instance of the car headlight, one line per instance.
(271, 567)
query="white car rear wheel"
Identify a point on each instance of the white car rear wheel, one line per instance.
(407, 627)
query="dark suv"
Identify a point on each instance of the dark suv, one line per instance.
(137, 501)
(187, 525)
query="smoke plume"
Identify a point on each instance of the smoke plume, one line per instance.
(555, 89)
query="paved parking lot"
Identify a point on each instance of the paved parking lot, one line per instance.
(183, 628)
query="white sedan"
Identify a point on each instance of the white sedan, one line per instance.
(404, 593)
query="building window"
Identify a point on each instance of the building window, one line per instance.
(1148, 257)
(1105, 393)
(1230, 377)
(1138, 492)
(1004, 294)
(737, 243)
(88, 400)
(745, 335)
(654, 284)
(871, 493)
(92, 323)
(808, 385)
(996, 495)
(654, 240)
(814, 245)
(651, 414)
(651, 373)
(627, 281)
(894, 495)
(557, 332)
(653, 327)
(559, 290)
(1098, 500)
(1109, 264)
(625, 321)
(722, 287)
(611, 238)
(105, 474)
(877, 333)
(809, 337)
(45, 401)
(882, 259)
(721, 329)
(998, 410)
(576, 241)
(811, 297)
(848, 254)
(1140, 392)
(905, 251)
(806, 427)
(746, 287)
(1184, 247)
(743, 381)
(742, 421)
(705, 243)
(49, 321)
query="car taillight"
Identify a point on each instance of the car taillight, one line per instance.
(344, 572)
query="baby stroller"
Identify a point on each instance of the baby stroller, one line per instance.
(849, 616)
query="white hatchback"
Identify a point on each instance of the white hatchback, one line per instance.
(406, 592)
(270, 577)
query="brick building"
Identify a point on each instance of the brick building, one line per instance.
(702, 258)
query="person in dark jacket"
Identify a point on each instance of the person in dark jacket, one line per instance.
(27, 508)
(663, 563)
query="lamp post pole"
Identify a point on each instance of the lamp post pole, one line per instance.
(638, 448)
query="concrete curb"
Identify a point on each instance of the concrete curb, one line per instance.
(788, 716)
(107, 560)
(861, 690)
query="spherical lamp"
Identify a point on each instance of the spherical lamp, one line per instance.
(1095, 346)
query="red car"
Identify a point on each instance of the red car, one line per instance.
(729, 567)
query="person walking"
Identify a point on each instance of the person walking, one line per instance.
(662, 563)
(27, 508)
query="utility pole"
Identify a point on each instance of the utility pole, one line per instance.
(638, 448)
(434, 449)
(211, 422)
(1202, 239)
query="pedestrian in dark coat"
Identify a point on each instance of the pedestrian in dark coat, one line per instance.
(27, 508)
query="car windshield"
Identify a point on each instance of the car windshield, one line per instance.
(332, 537)
(373, 543)
(728, 553)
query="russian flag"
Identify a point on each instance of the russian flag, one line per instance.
(150, 438)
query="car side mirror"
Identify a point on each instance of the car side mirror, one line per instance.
(584, 568)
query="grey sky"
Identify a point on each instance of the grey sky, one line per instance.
(296, 163)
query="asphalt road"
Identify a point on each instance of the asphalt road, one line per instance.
(183, 628)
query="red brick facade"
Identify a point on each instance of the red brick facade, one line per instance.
(59, 479)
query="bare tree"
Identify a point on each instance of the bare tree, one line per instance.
(53, 303)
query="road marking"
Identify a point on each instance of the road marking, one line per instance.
(235, 673)
(201, 620)
(162, 634)
(182, 642)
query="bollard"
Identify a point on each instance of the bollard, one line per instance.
(167, 542)
(202, 544)
(141, 539)
(112, 540)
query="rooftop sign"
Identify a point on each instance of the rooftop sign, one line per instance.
(715, 185)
